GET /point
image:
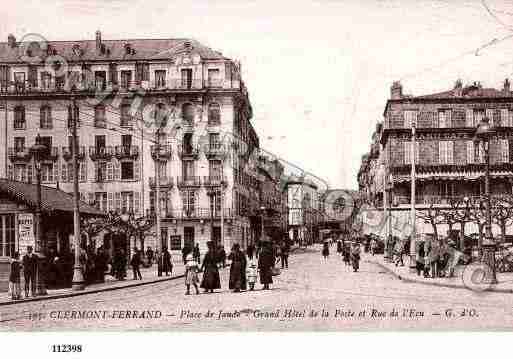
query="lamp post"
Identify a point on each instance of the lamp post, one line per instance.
(37, 149)
(483, 134)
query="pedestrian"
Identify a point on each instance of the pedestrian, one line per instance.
(250, 250)
(237, 269)
(251, 273)
(399, 252)
(434, 258)
(167, 262)
(29, 272)
(158, 260)
(191, 274)
(210, 271)
(325, 250)
(355, 256)
(347, 253)
(339, 247)
(185, 250)
(419, 258)
(284, 255)
(373, 246)
(14, 277)
(266, 264)
(197, 254)
(427, 256)
(150, 255)
(101, 265)
(135, 262)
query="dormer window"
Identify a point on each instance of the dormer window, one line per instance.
(129, 50)
(76, 50)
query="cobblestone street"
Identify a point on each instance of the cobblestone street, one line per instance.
(309, 284)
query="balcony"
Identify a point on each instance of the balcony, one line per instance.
(51, 154)
(162, 154)
(188, 152)
(436, 200)
(214, 181)
(164, 182)
(19, 154)
(193, 181)
(215, 150)
(67, 153)
(100, 153)
(127, 152)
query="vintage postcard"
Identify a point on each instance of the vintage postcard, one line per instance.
(311, 165)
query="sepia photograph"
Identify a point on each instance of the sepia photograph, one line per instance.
(255, 166)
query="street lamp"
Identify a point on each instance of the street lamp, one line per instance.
(38, 149)
(483, 133)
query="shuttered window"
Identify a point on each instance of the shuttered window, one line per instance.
(446, 152)
(505, 119)
(444, 118)
(504, 146)
(470, 152)
(410, 118)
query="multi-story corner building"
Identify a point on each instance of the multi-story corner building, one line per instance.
(448, 162)
(272, 198)
(370, 174)
(303, 210)
(123, 93)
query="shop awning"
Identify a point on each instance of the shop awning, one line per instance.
(52, 199)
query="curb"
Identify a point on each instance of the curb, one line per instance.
(445, 285)
(92, 291)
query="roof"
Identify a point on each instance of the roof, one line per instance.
(52, 199)
(466, 92)
(145, 49)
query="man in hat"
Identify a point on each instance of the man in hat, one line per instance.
(29, 272)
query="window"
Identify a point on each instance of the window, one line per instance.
(19, 144)
(165, 205)
(478, 116)
(73, 113)
(127, 202)
(187, 143)
(187, 170)
(125, 116)
(19, 80)
(176, 243)
(505, 117)
(46, 80)
(215, 200)
(99, 116)
(47, 172)
(410, 118)
(100, 199)
(214, 114)
(7, 235)
(446, 152)
(4, 76)
(100, 80)
(444, 118)
(126, 79)
(20, 172)
(186, 78)
(213, 77)
(160, 78)
(188, 112)
(45, 119)
(188, 201)
(99, 142)
(19, 118)
(127, 170)
(214, 142)
(47, 142)
(101, 171)
(215, 169)
(126, 141)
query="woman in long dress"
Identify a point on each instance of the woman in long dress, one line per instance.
(237, 269)
(210, 271)
(265, 264)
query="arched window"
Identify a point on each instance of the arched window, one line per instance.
(188, 112)
(45, 118)
(214, 114)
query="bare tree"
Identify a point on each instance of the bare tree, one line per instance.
(461, 212)
(502, 213)
(434, 216)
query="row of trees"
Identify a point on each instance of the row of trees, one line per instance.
(464, 210)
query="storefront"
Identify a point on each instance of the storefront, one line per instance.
(17, 221)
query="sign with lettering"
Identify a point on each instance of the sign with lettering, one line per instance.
(25, 231)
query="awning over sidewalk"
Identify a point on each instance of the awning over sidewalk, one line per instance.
(52, 199)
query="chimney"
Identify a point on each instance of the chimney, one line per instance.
(98, 41)
(507, 87)
(11, 40)
(458, 87)
(396, 91)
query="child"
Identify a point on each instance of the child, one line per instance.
(14, 277)
(191, 273)
(251, 273)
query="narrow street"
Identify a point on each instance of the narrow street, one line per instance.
(309, 284)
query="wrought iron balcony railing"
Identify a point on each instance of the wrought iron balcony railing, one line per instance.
(19, 154)
(101, 153)
(193, 181)
(67, 152)
(163, 182)
(131, 152)
(188, 151)
(163, 153)
(213, 181)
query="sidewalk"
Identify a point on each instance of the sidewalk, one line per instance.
(149, 277)
(465, 277)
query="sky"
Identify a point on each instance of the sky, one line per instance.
(318, 72)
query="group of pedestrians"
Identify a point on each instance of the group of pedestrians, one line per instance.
(436, 259)
(29, 266)
(244, 268)
(349, 251)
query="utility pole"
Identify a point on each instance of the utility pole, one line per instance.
(157, 188)
(78, 276)
(413, 236)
